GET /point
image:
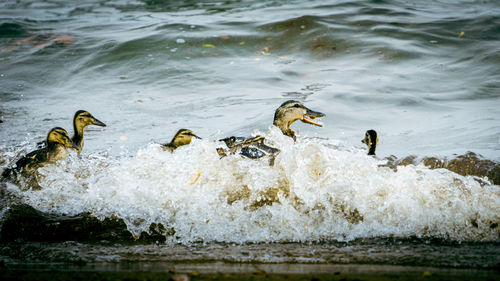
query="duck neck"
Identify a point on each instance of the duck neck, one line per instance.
(52, 145)
(372, 149)
(170, 146)
(56, 151)
(284, 127)
(290, 133)
(78, 135)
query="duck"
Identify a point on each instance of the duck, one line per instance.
(81, 120)
(254, 147)
(371, 141)
(291, 111)
(182, 137)
(57, 141)
(251, 147)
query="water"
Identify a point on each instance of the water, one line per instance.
(426, 76)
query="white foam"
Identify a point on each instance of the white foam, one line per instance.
(316, 190)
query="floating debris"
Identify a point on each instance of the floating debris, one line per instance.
(198, 174)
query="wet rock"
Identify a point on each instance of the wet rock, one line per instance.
(157, 233)
(23, 222)
(469, 164)
(473, 164)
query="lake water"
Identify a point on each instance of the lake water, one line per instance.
(425, 75)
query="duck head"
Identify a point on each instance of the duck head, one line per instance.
(84, 118)
(58, 135)
(371, 140)
(182, 137)
(291, 111)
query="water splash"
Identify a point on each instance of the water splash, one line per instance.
(317, 190)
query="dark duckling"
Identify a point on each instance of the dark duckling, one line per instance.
(371, 140)
(182, 137)
(57, 142)
(252, 147)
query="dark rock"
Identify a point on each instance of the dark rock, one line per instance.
(23, 222)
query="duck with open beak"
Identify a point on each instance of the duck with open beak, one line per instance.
(254, 147)
(291, 111)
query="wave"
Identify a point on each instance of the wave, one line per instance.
(317, 190)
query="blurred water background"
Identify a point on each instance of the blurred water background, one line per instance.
(424, 75)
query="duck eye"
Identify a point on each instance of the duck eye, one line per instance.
(296, 105)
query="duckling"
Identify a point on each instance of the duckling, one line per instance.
(287, 113)
(182, 137)
(81, 120)
(371, 140)
(57, 142)
(252, 147)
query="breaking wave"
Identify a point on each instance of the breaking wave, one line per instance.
(317, 190)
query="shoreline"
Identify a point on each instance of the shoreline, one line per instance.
(236, 271)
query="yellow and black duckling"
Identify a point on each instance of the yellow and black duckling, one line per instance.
(287, 113)
(81, 120)
(57, 142)
(182, 137)
(371, 140)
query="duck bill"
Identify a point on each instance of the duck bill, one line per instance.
(310, 115)
(98, 123)
(191, 134)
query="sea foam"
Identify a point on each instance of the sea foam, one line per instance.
(317, 190)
